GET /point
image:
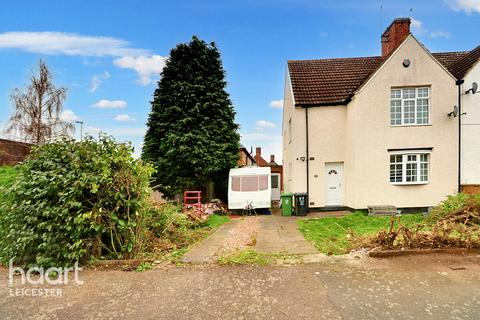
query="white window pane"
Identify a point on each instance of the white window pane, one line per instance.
(422, 111)
(395, 112)
(409, 111)
(423, 171)
(409, 93)
(396, 94)
(411, 172)
(422, 92)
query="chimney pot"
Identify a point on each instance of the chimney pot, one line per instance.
(272, 158)
(398, 30)
(258, 151)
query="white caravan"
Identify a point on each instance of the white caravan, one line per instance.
(249, 187)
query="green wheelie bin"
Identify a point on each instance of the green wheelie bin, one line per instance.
(287, 203)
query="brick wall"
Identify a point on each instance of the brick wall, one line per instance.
(12, 152)
(471, 188)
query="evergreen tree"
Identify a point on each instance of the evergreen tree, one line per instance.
(192, 137)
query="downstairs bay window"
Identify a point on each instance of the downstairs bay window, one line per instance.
(409, 168)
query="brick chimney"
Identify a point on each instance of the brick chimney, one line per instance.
(272, 158)
(258, 151)
(395, 34)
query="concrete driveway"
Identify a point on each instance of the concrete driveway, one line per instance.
(417, 287)
(272, 234)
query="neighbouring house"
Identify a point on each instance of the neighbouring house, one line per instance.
(376, 130)
(245, 158)
(468, 70)
(276, 175)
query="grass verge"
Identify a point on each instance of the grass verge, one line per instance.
(248, 256)
(331, 235)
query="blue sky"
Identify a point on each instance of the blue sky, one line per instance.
(109, 53)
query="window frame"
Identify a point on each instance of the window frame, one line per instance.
(419, 161)
(416, 104)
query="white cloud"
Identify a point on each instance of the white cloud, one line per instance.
(276, 104)
(97, 81)
(110, 104)
(469, 6)
(71, 44)
(419, 29)
(68, 115)
(123, 118)
(261, 125)
(145, 66)
(417, 26)
(440, 34)
(142, 61)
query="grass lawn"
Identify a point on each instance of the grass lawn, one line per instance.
(216, 220)
(330, 235)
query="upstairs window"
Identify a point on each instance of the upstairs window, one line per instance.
(409, 168)
(409, 106)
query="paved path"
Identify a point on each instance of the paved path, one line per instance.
(205, 252)
(280, 234)
(416, 287)
(276, 234)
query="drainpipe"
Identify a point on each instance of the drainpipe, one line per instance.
(459, 84)
(306, 141)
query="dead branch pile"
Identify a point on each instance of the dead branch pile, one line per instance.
(460, 229)
(206, 209)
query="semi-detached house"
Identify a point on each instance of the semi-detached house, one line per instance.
(376, 130)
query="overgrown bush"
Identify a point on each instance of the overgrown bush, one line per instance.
(454, 203)
(167, 221)
(75, 200)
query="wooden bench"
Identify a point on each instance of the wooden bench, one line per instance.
(382, 210)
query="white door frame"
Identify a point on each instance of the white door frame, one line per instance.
(276, 191)
(334, 188)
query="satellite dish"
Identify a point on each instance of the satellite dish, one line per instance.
(454, 113)
(474, 87)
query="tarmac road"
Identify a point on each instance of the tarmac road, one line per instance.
(415, 287)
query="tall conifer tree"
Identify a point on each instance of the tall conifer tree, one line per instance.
(192, 137)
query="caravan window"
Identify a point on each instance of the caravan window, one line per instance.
(236, 183)
(263, 182)
(250, 183)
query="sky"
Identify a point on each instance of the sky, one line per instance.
(109, 54)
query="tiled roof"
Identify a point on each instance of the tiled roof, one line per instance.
(460, 68)
(333, 81)
(448, 58)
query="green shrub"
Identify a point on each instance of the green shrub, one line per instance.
(453, 203)
(75, 200)
(7, 177)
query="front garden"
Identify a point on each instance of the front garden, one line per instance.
(335, 235)
(454, 223)
(88, 201)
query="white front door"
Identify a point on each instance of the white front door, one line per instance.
(275, 187)
(334, 184)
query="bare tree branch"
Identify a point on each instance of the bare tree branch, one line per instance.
(38, 108)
